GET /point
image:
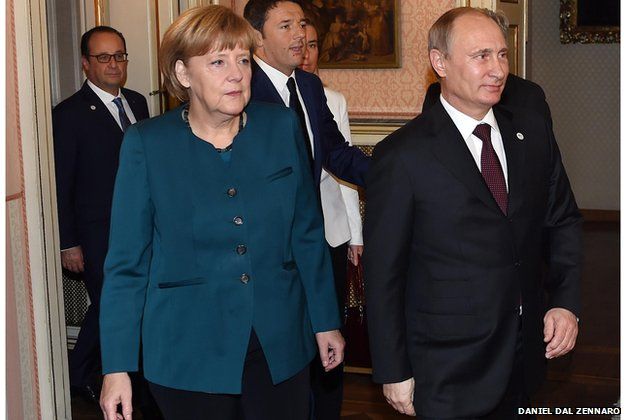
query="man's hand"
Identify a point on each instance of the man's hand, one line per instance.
(354, 253)
(400, 396)
(331, 348)
(72, 259)
(116, 389)
(560, 331)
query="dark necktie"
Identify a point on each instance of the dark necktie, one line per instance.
(491, 167)
(123, 117)
(295, 105)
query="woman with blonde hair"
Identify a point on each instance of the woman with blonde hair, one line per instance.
(217, 265)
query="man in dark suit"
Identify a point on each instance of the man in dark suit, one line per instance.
(281, 44)
(280, 31)
(88, 130)
(518, 92)
(460, 203)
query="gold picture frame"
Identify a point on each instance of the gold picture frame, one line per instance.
(589, 22)
(358, 34)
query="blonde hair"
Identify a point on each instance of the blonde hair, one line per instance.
(196, 32)
(441, 31)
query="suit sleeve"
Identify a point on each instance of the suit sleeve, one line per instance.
(127, 263)
(388, 235)
(308, 243)
(65, 159)
(563, 227)
(341, 159)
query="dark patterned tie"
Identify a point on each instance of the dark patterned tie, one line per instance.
(123, 117)
(491, 167)
(295, 105)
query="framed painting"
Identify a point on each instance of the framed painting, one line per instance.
(589, 21)
(357, 34)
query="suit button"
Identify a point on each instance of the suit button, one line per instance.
(244, 278)
(238, 220)
(518, 263)
(241, 249)
(231, 192)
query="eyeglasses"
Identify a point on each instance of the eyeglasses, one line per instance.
(106, 58)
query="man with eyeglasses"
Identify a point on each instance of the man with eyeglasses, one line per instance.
(88, 130)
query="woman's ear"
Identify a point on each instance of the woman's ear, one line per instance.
(181, 73)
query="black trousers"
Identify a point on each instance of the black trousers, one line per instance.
(260, 399)
(84, 359)
(515, 395)
(327, 387)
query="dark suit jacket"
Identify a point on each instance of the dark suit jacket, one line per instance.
(175, 272)
(330, 148)
(518, 92)
(446, 270)
(86, 154)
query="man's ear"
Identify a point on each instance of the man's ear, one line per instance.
(438, 62)
(85, 63)
(259, 39)
(181, 73)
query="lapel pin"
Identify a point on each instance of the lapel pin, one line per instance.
(520, 136)
(92, 107)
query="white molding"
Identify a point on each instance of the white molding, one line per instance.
(39, 194)
(365, 134)
(55, 84)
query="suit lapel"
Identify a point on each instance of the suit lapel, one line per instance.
(134, 105)
(450, 149)
(311, 107)
(262, 88)
(99, 109)
(515, 155)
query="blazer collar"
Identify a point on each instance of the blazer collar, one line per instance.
(451, 150)
(262, 88)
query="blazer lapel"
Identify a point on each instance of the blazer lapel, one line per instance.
(134, 105)
(311, 107)
(451, 150)
(262, 88)
(99, 109)
(513, 142)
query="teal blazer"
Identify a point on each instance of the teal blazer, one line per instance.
(202, 251)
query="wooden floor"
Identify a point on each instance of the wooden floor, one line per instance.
(588, 377)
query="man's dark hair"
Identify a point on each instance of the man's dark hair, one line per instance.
(84, 41)
(256, 11)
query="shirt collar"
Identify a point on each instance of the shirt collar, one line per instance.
(466, 124)
(278, 78)
(102, 94)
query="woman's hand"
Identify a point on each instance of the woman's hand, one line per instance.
(116, 389)
(331, 348)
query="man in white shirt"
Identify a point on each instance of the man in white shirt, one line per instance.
(88, 130)
(461, 203)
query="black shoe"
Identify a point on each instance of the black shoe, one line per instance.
(88, 392)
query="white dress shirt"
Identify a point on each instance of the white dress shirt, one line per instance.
(466, 126)
(279, 81)
(107, 99)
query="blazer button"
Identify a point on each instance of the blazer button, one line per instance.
(231, 192)
(241, 249)
(238, 220)
(244, 278)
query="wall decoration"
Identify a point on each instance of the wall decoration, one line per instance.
(357, 34)
(589, 21)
